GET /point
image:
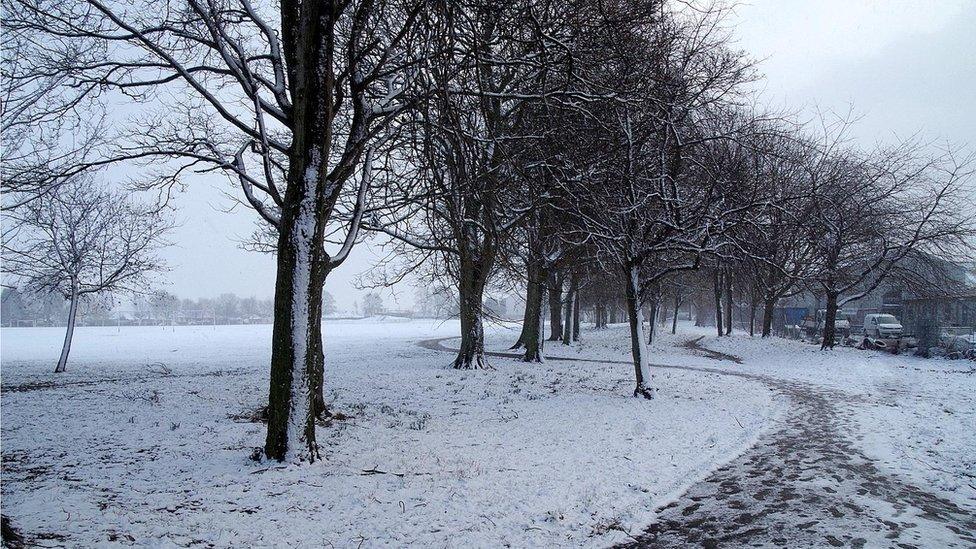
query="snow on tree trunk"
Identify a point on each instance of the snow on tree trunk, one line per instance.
(296, 347)
(69, 332)
(569, 308)
(699, 307)
(830, 326)
(638, 344)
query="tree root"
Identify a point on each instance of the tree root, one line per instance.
(643, 391)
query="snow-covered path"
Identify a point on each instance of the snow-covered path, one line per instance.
(806, 483)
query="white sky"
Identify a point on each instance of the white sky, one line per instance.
(906, 66)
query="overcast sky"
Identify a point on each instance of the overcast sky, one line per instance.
(906, 66)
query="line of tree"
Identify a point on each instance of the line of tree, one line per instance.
(27, 306)
(592, 151)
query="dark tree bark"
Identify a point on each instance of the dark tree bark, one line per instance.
(532, 294)
(600, 316)
(753, 304)
(769, 306)
(717, 287)
(297, 360)
(576, 316)
(555, 306)
(638, 346)
(677, 307)
(569, 311)
(652, 320)
(533, 334)
(830, 325)
(471, 286)
(728, 302)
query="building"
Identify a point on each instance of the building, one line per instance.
(946, 311)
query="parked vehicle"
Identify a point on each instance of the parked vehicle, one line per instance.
(813, 326)
(882, 326)
(884, 332)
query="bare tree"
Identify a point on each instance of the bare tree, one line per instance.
(776, 253)
(291, 101)
(372, 304)
(79, 240)
(642, 197)
(491, 65)
(48, 126)
(872, 210)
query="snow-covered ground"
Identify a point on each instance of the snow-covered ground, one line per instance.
(917, 416)
(148, 441)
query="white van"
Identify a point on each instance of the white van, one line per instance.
(882, 326)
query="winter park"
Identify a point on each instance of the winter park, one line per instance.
(481, 273)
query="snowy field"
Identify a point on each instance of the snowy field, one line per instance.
(148, 441)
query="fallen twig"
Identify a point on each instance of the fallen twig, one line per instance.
(375, 471)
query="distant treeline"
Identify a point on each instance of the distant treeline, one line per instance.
(161, 308)
(20, 308)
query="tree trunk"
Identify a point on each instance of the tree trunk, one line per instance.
(576, 314)
(613, 313)
(677, 306)
(555, 306)
(600, 316)
(638, 345)
(569, 311)
(69, 332)
(699, 306)
(533, 334)
(769, 306)
(718, 301)
(296, 349)
(319, 408)
(471, 289)
(728, 302)
(652, 320)
(532, 289)
(752, 315)
(830, 322)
